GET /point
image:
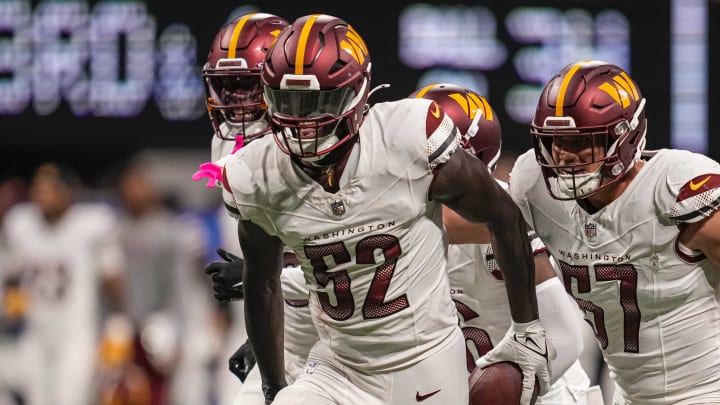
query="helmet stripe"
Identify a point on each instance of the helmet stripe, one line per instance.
(424, 90)
(302, 43)
(564, 85)
(236, 35)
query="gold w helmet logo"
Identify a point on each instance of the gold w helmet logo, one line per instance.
(275, 34)
(621, 89)
(472, 103)
(354, 45)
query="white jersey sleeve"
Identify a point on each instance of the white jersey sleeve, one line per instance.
(443, 137)
(300, 333)
(691, 190)
(521, 177)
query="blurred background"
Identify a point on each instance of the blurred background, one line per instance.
(111, 92)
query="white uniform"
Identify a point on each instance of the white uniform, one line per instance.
(650, 300)
(375, 254)
(62, 265)
(478, 290)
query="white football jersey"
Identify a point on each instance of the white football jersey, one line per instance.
(300, 333)
(478, 291)
(63, 263)
(649, 299)
(374, 252)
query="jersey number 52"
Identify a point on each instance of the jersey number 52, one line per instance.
(374, 305)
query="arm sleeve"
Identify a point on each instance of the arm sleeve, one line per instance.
(691, 190)
(562, 322)
(520, 179)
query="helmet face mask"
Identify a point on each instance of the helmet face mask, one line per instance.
(232, 76)
(316, 84)
(589, 129)
(311, 122)
(576, 160)
(236, 97)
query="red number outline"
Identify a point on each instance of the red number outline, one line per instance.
(374, 305)
(476, 336)
(626, 274)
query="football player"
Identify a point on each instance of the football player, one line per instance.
(636, 234)
(233, 92)
(476, 283)
(64, 251)
(357, 193)
(239, 116)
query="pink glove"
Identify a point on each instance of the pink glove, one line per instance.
(211, 171)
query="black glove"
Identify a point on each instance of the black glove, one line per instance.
(226, 276)
(242, 361)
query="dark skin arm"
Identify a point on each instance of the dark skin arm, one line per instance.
(264, 302)
(465, 185)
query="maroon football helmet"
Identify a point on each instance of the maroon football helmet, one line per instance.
(316, 81)
(473, 116)
(592, 105)
(232, 74)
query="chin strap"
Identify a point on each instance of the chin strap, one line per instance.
(378, 87)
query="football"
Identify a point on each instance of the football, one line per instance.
(497, 384)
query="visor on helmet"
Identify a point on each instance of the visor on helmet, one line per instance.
(309, 103)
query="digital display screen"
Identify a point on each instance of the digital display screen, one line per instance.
(93, 81)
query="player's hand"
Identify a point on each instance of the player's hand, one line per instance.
(524, 344)
(226, 276)
(210, 171)
(242, 361)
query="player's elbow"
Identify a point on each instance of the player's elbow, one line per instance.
(506, 216)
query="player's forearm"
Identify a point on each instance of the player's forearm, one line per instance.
(514, 256)
(264, 323)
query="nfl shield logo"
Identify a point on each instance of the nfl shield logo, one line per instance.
(591, 229)
(338, 208)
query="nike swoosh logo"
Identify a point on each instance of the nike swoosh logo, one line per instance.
(435, 113)
(694, 186)
(541, 351)
(421, 398)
